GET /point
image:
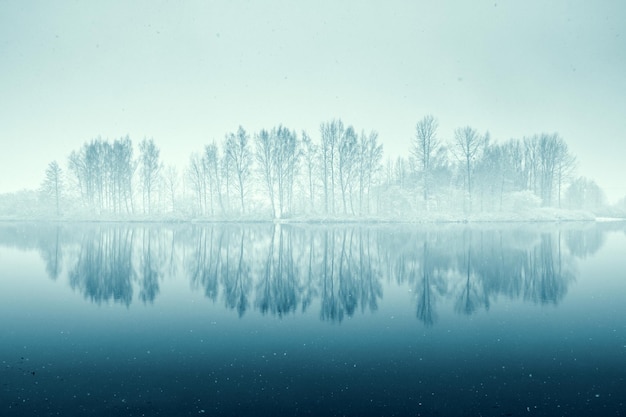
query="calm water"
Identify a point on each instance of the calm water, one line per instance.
(312, 320)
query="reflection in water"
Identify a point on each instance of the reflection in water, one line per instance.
(281, 269)
(51, 252)
(104, 268)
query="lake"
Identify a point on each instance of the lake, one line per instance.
(333, 320)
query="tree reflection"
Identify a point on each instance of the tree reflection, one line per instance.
(104, 268)
(584, 242)
(280, 269)
(279, 290)
(370, 289)
(547, 279)
(428, 288)
(150, 264)
(471, 295)
(331, 306)
(51, 252)
(236, 276)
(204, 266)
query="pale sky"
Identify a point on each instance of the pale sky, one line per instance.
(186, 73)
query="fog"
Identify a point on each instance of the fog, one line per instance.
(327, 208)
(187, 76)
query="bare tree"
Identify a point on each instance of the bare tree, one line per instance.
(548, 164)
(310, 153)
(468, 145)
(237, 152)
(214, 173)
(424, 149)
(150, 170)
(171, 184)
(52, 186)
(285, 160)
(265, 148)
(123, 173)
(548, 155)
(330, 132)
(347, 164)
(370, 156)
(565, 167)
(196, 176)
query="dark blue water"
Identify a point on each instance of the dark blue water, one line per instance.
(509, 320)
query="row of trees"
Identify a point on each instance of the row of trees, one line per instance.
(542, 163)
(284, 166)
(281, 173)
(104, 175)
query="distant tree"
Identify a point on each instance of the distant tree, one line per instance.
(52, 186)
(265, 149)
(585, 194)
(310, 154)
(171, 184)
(211, 161)
(401, 172)
(489, 175)
(285, 160)
(347, 164)
(226, 171)
(124, 167)
(195, 174)
(565, 167)
(76, 165)
(513, 166)
(548, 164)
(424, 149)
(330, 132)
(90, 168)
(532, 163)
(548, 155)
(238, 154)
(468, 146)
(150, 166)
(369, 159)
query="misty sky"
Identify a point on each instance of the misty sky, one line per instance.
(185, 73)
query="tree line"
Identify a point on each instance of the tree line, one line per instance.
(281, 173)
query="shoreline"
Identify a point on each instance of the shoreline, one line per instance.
(533, 216)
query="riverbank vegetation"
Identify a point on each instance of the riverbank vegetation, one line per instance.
(342, 175)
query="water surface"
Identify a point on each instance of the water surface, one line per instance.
(312, 320)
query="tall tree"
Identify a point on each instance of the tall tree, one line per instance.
(347, 164)
(424, 149)
(124, 167)
(238, 153)
(171, 184)
(52, 186)
(565, 167)
(370, 156)
(265, 149)
(211, 162)
(310, 154)
(195, 173)
(330, 132)
(468, 145)
(286, 163)
(150, 170)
